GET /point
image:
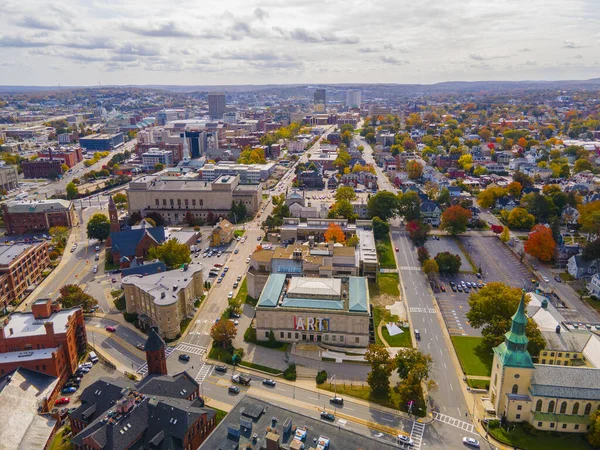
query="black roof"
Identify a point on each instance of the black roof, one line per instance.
(99, 396)
(176, 386)
(154, 341)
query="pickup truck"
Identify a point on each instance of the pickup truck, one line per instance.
(241, 379)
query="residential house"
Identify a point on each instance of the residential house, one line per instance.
(303, 212)
(222, 233)
(579, 268)
(294, 197)
(563, 252)
(508, 202)
(569, 216)
(430, 213)
(593, 286)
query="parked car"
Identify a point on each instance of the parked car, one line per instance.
(218, 265)
(471, 442)
(235, 285)
(545, 279)
(239, 277)
(234, 389)
(62, 401)
(403, 439)
(68, 390)
(97, 257)
(396, 248)
(113, 280)
(459, 288)
(236, 251)
(558, 279)
(268, 382)
(230, 295)
(184, 357)
(327, 416)
(110, 328)
(97, 248)
(221, 369)
(442, 288)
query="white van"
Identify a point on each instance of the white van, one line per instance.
(93, 357)
(95, 269)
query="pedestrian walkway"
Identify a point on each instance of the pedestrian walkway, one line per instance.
(422, 310)
(191, 348)
(416, 434)
(413, 268)
(466, 426)
(205, 371)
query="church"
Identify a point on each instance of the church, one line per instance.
(550, 397)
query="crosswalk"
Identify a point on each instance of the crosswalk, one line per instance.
(466, 426)
(422, 310)
(411, 268)
(143, 369)
(416, 434)
(205, 371)
(191, 348)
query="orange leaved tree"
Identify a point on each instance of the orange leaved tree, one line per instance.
(334, 233)
(540, 243)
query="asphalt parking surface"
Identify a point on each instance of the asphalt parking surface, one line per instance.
(447, 244)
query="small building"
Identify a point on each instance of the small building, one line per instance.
(431, 213)
(23, 217)
(101, 142)
(155, 156)
(130, 247)
(593, 286)
(580, 268)
(222, 233)
(164, 299)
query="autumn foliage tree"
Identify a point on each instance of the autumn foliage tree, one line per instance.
(455, 220)
(334, 234)
(414, 169)
(540, 243)
(223, 333)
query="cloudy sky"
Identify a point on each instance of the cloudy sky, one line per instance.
(183, 42)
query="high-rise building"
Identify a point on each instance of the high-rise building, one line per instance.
(353, 98)
(216, 105)
(320, 97)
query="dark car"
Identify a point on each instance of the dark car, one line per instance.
(221, 369)
(558, 279)
(327, 416)
(69, 390)
(337, 400)
(185, 358)
(234, 389)
(453, 287)
(268, 382)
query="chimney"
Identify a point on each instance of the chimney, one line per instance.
(272, 441)
(11, 331)
(49, 326)
(50, 153)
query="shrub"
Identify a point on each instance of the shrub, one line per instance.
(290, 373)
(196, 228)
(322, 377)
(239, 352)
(529, 429)
(130, 317)
(493, 424)
(250, 335)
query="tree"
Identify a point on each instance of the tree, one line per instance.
(64, 167)
(539, 206)
(524, 180)
(592, 251)
(71, 295)
(491, 309)
(593, 435)
(158, 167)
(381, 229)
(430, 267)
(465, 161)
(59, 235)
(412, 360)
(540, 243)
(382, 366)
(505, 235)
(589, 217)
(172, 253)
(120, 198)
(455, 220)
(581, 165)
(134, 218)
(344, 209)
(444, 197)
(72, 191)
(158, 219)
(422, 254)
(189, 219)
(487, 198)
(515, 189)
(223, 333)
(409, 205)
(334, 233)
(352, 241)
(417, 231)
(448, 263)
(345, 193)
(98, 227)
(414, 169)
(520, 219)
(384, 205)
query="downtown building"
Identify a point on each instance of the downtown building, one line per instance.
(216, 105)
(173, 198)
(9, 178)
(23, 217)
(68, 156)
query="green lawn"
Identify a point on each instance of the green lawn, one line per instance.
(220, 415)
(478, 384)
(239, 233)
(593, 303)
(387, 283)
(242, 295)
(400, 340)
(59, 441)
(566, 276)
(385, 254)
(540, 440)
(260, 367)
(473, 360)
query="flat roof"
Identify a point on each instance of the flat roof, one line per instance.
(8, 253)
(164, 287)
(35, 206)
(27, 355)
(300, 286)
(25, 324)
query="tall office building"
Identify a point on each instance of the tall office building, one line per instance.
(353, 98)
(216, 105)
(320, 97)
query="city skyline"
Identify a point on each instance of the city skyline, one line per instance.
(277, 42)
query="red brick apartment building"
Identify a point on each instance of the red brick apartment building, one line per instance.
(42, 168)
(21, 267)
(47, 340)
(70, 156)
(23, 217)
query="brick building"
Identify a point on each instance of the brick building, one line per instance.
(47, 340)
(22, 217)
(68, 156)
(21, 267)
(42, 168)
(9, 178)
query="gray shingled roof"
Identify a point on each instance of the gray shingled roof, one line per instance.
(154, 341)
(581, 383)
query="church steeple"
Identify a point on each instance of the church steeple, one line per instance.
(113, 215)
(513, 351)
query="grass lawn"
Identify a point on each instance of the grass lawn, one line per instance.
(566, 276)
(120, 303)
(478, 384)
(239, 233)
(220, 415)
(472, 360)
(110, 266)
(385, 254)
(541, 440)
(59, 442)
(387, 283)
(220, 354)
(242, 295)
(593, 303)
(400, 340)
(260, 367)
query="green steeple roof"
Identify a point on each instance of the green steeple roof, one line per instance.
(513, 351)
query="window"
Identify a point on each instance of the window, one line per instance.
(326, 338)
(552, 354)
(552, 425)
(564, 425)
(186, 202)
(193, 202)
(515, 389)
(267, 334)
(518, 416)
(576, 427)
(357, 340)
(588, 409)
(178, 202)
(539, 424)
(281, 334)
(563, 407)
(296, 335)
(157, 202)
(551, 406)
(566, 363)
(334, 338)
(289, 335)
(566, 355)
(519, 407)
(171, 202)
(575, 408)
(164, 202)
(341, 338)
(560, 355)
(543, 361)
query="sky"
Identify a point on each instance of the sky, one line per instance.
(208, 42)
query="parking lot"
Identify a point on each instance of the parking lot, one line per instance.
(208, 262)
(497, 264)
(440, 244)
